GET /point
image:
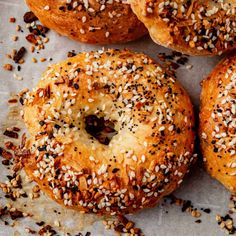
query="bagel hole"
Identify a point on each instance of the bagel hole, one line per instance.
(101, 129)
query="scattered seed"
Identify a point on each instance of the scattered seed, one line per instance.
(8, 67)
(14, 38)
(29, 17)
(19, 54)
(11, 134)
(12, 20)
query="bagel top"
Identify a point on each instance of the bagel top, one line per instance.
(90, 21)
(194, 27)
(218, 122)
(79, 103)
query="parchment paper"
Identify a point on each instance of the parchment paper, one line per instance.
(198, 186)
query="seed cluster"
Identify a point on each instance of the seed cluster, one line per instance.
(37, 37)
(123, 225)
(37, 32)
(203, 25)
(149, 152)
(226, 222)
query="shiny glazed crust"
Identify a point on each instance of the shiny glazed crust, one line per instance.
(217, 122)
(195, 27)
(89, 21)
(147, 158)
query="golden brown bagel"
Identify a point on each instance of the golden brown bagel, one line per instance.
(194, 27)
(89, 21)
(79, 102)
(217, 122)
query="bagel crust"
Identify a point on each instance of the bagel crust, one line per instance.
(194, 27)
(218, 122)
(147, 157)
(90, 21)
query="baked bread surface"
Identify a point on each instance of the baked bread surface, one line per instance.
(149, 113)
(194, 27)
(218, 122)
(89, 21)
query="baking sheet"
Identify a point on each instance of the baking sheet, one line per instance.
(197, 187)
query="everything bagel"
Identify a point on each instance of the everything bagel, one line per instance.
(217, 122)
(102, 22)
(194, 27)
(109, 132)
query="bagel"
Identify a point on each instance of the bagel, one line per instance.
(89, 21)
(110, 132)
(193, 27)
(217, 122)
